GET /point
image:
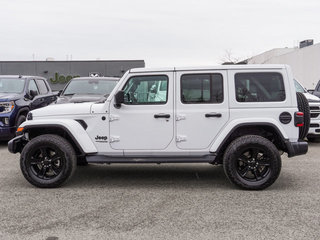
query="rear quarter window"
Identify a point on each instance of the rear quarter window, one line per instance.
(259, 87)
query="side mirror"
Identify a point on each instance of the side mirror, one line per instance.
(118, 99)
(33, 93)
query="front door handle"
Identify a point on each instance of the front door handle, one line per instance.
(217, 115)
(162, 115)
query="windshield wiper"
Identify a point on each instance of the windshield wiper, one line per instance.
(68, 94)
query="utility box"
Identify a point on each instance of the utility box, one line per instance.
(306, 43)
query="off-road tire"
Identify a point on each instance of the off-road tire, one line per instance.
(303, 106)
(239, 145)
(48, 141)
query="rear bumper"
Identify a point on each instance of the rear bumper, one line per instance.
(296, 148)
(16, 144)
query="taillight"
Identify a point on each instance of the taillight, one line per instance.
(298, 119)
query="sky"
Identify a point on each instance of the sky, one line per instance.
(164, 33)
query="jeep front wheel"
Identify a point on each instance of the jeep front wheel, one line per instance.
(48, 161)
(252, 162)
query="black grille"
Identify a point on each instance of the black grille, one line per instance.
(314, 108)
(314, 125)
(314, 115)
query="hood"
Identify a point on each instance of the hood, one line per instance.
(79, 98)
(311, 97)
(62, 109)
(9, 96)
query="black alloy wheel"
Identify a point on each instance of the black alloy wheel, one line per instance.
(46, 162)
(253, 164)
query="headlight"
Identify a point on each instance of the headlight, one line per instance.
(6, 107)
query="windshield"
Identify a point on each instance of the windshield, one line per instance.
(90, 86)
(11, 85)
(299, 87)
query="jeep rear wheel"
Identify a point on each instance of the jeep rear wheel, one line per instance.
(252, 162)
(48, 161)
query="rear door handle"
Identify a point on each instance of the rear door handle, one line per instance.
(162, 115)
(217, 115)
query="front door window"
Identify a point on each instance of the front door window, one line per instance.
(142, 90)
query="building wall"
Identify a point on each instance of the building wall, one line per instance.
(305, 63)
(266, 56)
(59, 72)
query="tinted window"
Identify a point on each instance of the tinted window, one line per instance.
(259, 87)
(90, 87)
(42, 87)
(146, 90)
(202, 88)
(33, 86)
(11, 85)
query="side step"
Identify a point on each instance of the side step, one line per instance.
(151, 159)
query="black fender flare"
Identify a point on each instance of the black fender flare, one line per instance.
(49, 127)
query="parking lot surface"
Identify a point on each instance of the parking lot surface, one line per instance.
(169, 201)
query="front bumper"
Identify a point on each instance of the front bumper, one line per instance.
(296, 148)
(6, 132)
(314, 127)
(16, 144)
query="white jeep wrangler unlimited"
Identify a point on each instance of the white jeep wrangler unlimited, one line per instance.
(243, 117)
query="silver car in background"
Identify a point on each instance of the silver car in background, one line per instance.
(87, 89)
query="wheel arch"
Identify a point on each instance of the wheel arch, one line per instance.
(22, 111)
(80, 141)
(263, 129)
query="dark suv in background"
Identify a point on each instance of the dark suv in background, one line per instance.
(19, 95)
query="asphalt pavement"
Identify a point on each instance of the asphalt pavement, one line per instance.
(169, 201)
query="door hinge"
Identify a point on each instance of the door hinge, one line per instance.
(114, 139)
(180, 138)
(180, 117)
(113, 118)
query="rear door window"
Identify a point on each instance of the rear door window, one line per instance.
(201, 88)
(259, 87)
(33, 86)
(42, 87)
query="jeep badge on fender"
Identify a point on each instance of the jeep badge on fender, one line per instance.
(101, 138)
